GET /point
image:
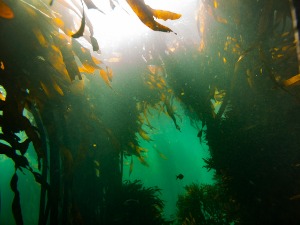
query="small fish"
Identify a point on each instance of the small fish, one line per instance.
(179, 176)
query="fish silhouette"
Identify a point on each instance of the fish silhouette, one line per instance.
(179, 176)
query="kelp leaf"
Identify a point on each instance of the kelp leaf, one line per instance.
(165, 15)
(83, 54)
(146, 14)
(292, 80)
(5, 11)
(6, 150)
(12, 139)
(79, 33)
(90, 5)
(104, 76)
(112, 4)
(16, 206)
(39, 179)
(19, 160)
(23, 146)
(33, 135)
(95, 44)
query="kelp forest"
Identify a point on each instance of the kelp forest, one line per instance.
(75, 124)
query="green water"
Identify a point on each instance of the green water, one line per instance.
(215, 102)
(183, 155)
(28, 192)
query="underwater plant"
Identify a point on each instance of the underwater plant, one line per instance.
(136, 204)
(251, 128)
(204, 205)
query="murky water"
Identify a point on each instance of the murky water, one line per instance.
(194, 123)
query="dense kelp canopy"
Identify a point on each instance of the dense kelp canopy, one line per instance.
(238, 85)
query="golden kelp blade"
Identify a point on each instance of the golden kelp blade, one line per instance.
(40, 37)
(77, 86)
(216, 4)
(45, 89)
(146, 14)
(144, 135)
(82, 69)
(57, 88)
(143, 161)
(104, 76)
(96, 61)
(109, 73)
(58, 22)
(165, 15)
(152, 69)
(221, 20)
(89, 68)
(292, 80)
(5, 11)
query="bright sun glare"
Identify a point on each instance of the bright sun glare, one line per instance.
(121, 24)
